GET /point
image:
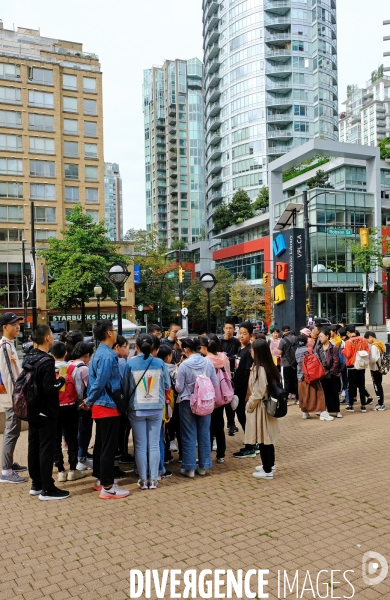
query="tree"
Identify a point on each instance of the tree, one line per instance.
(178, 245)
(385, 152)
(370, 258)
(320, 180)
(78, 261)
(221, 217)
(196, 297)
(240, 207)
(247, 300)
(262, 201)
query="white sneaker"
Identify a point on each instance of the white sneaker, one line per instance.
(262, 475)
(260, 468)
(306, 416)
(200, 471)
(214, 444)
(98, 486)
(73, 475)
(114, 493)
(62, 476)
(84, 466)
(325, 416)
(187, 472)
(342, 394)
(173, 446)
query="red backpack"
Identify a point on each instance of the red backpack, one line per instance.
(312, 367)
(69, 395)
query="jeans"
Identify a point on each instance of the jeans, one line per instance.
(356, 381)
(161, 467)
(194, 427)
(106, 443)
(85, 432)
(217, 429)
(41, 446)
(267, 454)
(146, 439)
(67, 425)
(10, 437)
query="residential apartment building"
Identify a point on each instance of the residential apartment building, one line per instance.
(51, 147)
(113, 203)
(174, 149)
(270, 85)
(364, 119)
(386, 38)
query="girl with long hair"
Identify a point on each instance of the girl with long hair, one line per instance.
(261, 428)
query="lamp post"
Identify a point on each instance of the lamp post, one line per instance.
(306, 224)
(208, 282)
(118, 275)
(386, 265)
(98, 292)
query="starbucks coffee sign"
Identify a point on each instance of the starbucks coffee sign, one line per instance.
(77, 317)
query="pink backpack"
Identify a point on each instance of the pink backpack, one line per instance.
(224, 391)
(202, 400)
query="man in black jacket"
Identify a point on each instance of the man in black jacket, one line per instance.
(43, 423)
(231, 345)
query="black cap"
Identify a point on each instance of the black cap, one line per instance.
(9, 318)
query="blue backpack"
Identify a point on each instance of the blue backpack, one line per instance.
(343, 360)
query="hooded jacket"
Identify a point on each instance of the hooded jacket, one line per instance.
(352, 345)
(220, 360)
(188, 371)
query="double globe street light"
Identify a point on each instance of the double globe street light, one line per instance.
(118, 275)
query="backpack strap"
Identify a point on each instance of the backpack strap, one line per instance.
(7, 360)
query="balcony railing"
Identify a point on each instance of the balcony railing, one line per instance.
(278, 21)
(279, 117)
(279, 149)
(279, 133)
(276, 102)
(278, 36)
(273, 53)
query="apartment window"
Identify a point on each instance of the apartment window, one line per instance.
(10, 95)
(11, 166)
(90, 107)
(90, 150)
(10, 118)
(45, 215)
(8, 71)
(91, 195)
(70, 126)
(11, 213)
(301, 126)
(70, 104)
(11, 235)
(69, 82)
(11, 143)
(94, 214)
(42, 145)
(300, 110)
(42, 235)
(89, 85)
(91, 173)
(42, 168)
(41, 122)
(90, 129)
(71, 193)
(41, 76)
(71, 171)
(42, 191)
(71, 149)
(40, 99)
(11, 189)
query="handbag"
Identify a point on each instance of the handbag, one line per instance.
(276, 403)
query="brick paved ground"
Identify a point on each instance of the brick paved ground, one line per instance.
(328, 504)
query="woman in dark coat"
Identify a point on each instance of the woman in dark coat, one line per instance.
(328, 354)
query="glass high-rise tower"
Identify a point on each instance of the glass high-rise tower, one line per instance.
(270, 85)
(174, 149)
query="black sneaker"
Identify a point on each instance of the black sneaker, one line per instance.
(232, 430)
(369, 400)
(236, 428)
(244, 453)
(349, 409)
(35, 490)
(54, 494)
(126, 459)
(363, 409)
(118, 455)
(17, 468)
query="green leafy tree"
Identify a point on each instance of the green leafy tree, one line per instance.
(247, 300)
(385, 152)
(240, 207)
(221, 217)
(320, 180)
(196, 297)
(178, 245)
(78, 261)
(262, 201)
(370, 258)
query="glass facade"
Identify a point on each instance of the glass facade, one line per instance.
(113, 208)
(250, 266)
(270, 85)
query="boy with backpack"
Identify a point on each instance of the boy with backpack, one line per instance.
(43, 414)
(9, 370)
(356, 352)
(377, 348)
(287, 349)
(68, 416)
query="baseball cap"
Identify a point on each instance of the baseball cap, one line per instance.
(182, 334)
(8, 318)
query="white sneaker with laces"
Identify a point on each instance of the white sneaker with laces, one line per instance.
(325, 416)
(214, 444)
(260, 468)
(73, 475)
(200, 471)
(306, 415)
(262, 475)
(84, 465)
(114, 493)
(173, 446)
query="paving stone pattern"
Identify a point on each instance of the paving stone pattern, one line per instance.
(327, 505)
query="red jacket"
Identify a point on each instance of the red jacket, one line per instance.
(352, 345)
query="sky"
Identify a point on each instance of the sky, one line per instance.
(132, 35)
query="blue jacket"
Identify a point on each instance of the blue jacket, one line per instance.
(103, 371)
(193, 366)
(150, 392)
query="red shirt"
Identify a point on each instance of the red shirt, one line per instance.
(100, 412)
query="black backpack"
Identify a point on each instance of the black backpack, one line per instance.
(289, 353)
(276, 403)
(25, 398)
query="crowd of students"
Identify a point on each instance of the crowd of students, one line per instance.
(151, 395)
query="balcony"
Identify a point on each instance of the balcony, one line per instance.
(172, 119)
(214, 168)
(212, 37)
(213, 124)
(215, 138)
(279, 102)
(281, 22)
(172, 128)
(214, 94)
(280, 86)
(278, 6)
(213, 80)
(278, 37)
(211, 23)
(211, 9)
(213, 51)
(216, 182)
(215, 196)
(213, 67)
(281, 71)
(280, 118)
(214, 109)
(281, 149)
(173, 175)
(172, 110)
(215, 153)
(281, 54)
(280, 134)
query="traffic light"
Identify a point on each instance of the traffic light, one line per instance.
(364, 237)
(181, 275)
(183, 304)
(265, 278)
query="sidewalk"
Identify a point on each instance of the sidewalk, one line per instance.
(327, 505)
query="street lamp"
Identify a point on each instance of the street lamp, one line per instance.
(208, 282)
(98, 292)
(309, 278)
(118, 275)
(386, 265)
